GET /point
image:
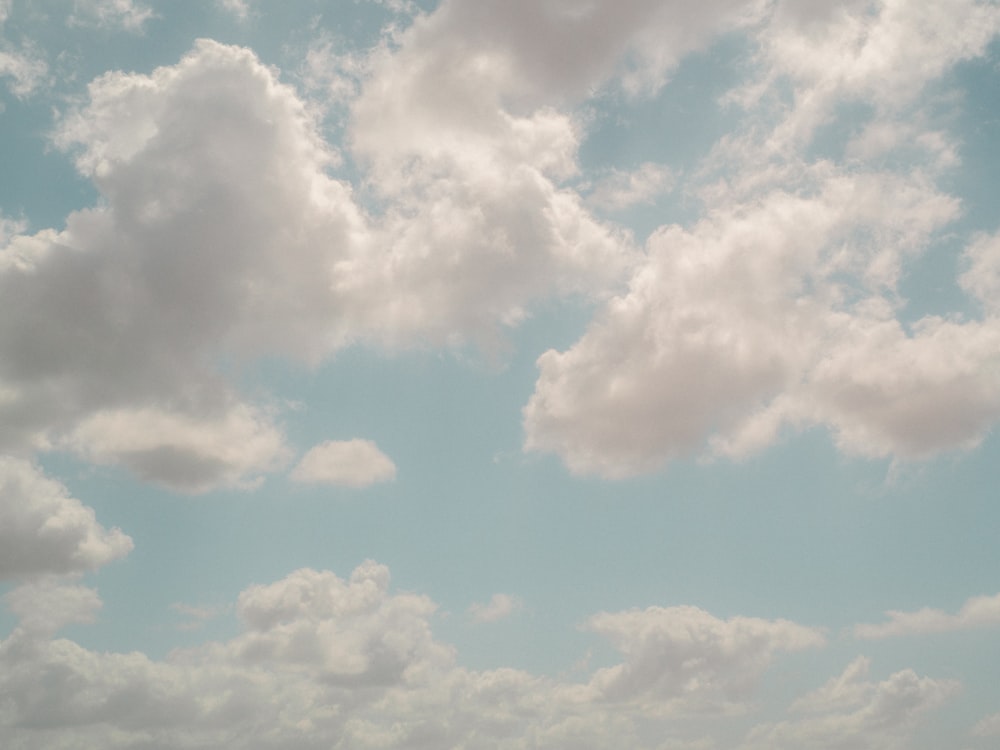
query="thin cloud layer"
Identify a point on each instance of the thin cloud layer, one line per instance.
(977, 612)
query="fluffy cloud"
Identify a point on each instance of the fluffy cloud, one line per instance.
(221, 237)
(352, 463)
(685, 656)
(323, 660)
(770, 314)
(46, 605)
(977, 612)
(780, 309)
(45, 531)
(499, 606)
(854, 713)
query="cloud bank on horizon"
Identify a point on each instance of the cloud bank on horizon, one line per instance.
(436, 191)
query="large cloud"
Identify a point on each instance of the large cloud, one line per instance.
(45, 531)
(221, 237)
(781, 307)
(324, 661)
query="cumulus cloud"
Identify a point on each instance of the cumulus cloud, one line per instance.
(323, 660)
(684, 655)
(45, 531)
(499, 607)
(221, 237)
(977, 612)
(780, 308)
(46, 605)
(856, 713)
(351, 463)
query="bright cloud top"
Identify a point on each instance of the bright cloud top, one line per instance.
(350, 463)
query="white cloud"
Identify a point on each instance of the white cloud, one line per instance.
(239, 8)
(620, 190)
(46, 605)
(323, 660)
(124, 14)
(45, 531)
(776, 312)
(988, 726)
(883, 717)
(686, 656)
(977, 612)
(221, 237)
(185, 452)
(351, 463)
(780, 308)
(981, 277)
(499, 607)
(24, 70)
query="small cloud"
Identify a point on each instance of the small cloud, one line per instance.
(239, 8)
(977, 612)
(988, 726)
(197, 616)
(620, 190)
(499, 607)
(348, 463)
(106, 14)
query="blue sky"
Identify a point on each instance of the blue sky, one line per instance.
(482, 374)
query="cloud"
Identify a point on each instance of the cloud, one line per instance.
(988, 726)
(981, 277)
(977, 612)
(45, 531)
(686, 656)
(24, 71)
(780, 309)
(239, 8)
(621, 190)
(45, 606)
(221, 237)
(350, 463)
(499, 607)
(776, 313)
(322, 660)
(858, 714)
(184, 452)
(111, 14)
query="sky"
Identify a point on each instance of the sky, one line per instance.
(499, 374)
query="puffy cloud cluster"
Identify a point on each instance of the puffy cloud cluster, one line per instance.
(45, 531)
(685, 656)
(780, 309)
(323, 661)
(851, 712)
